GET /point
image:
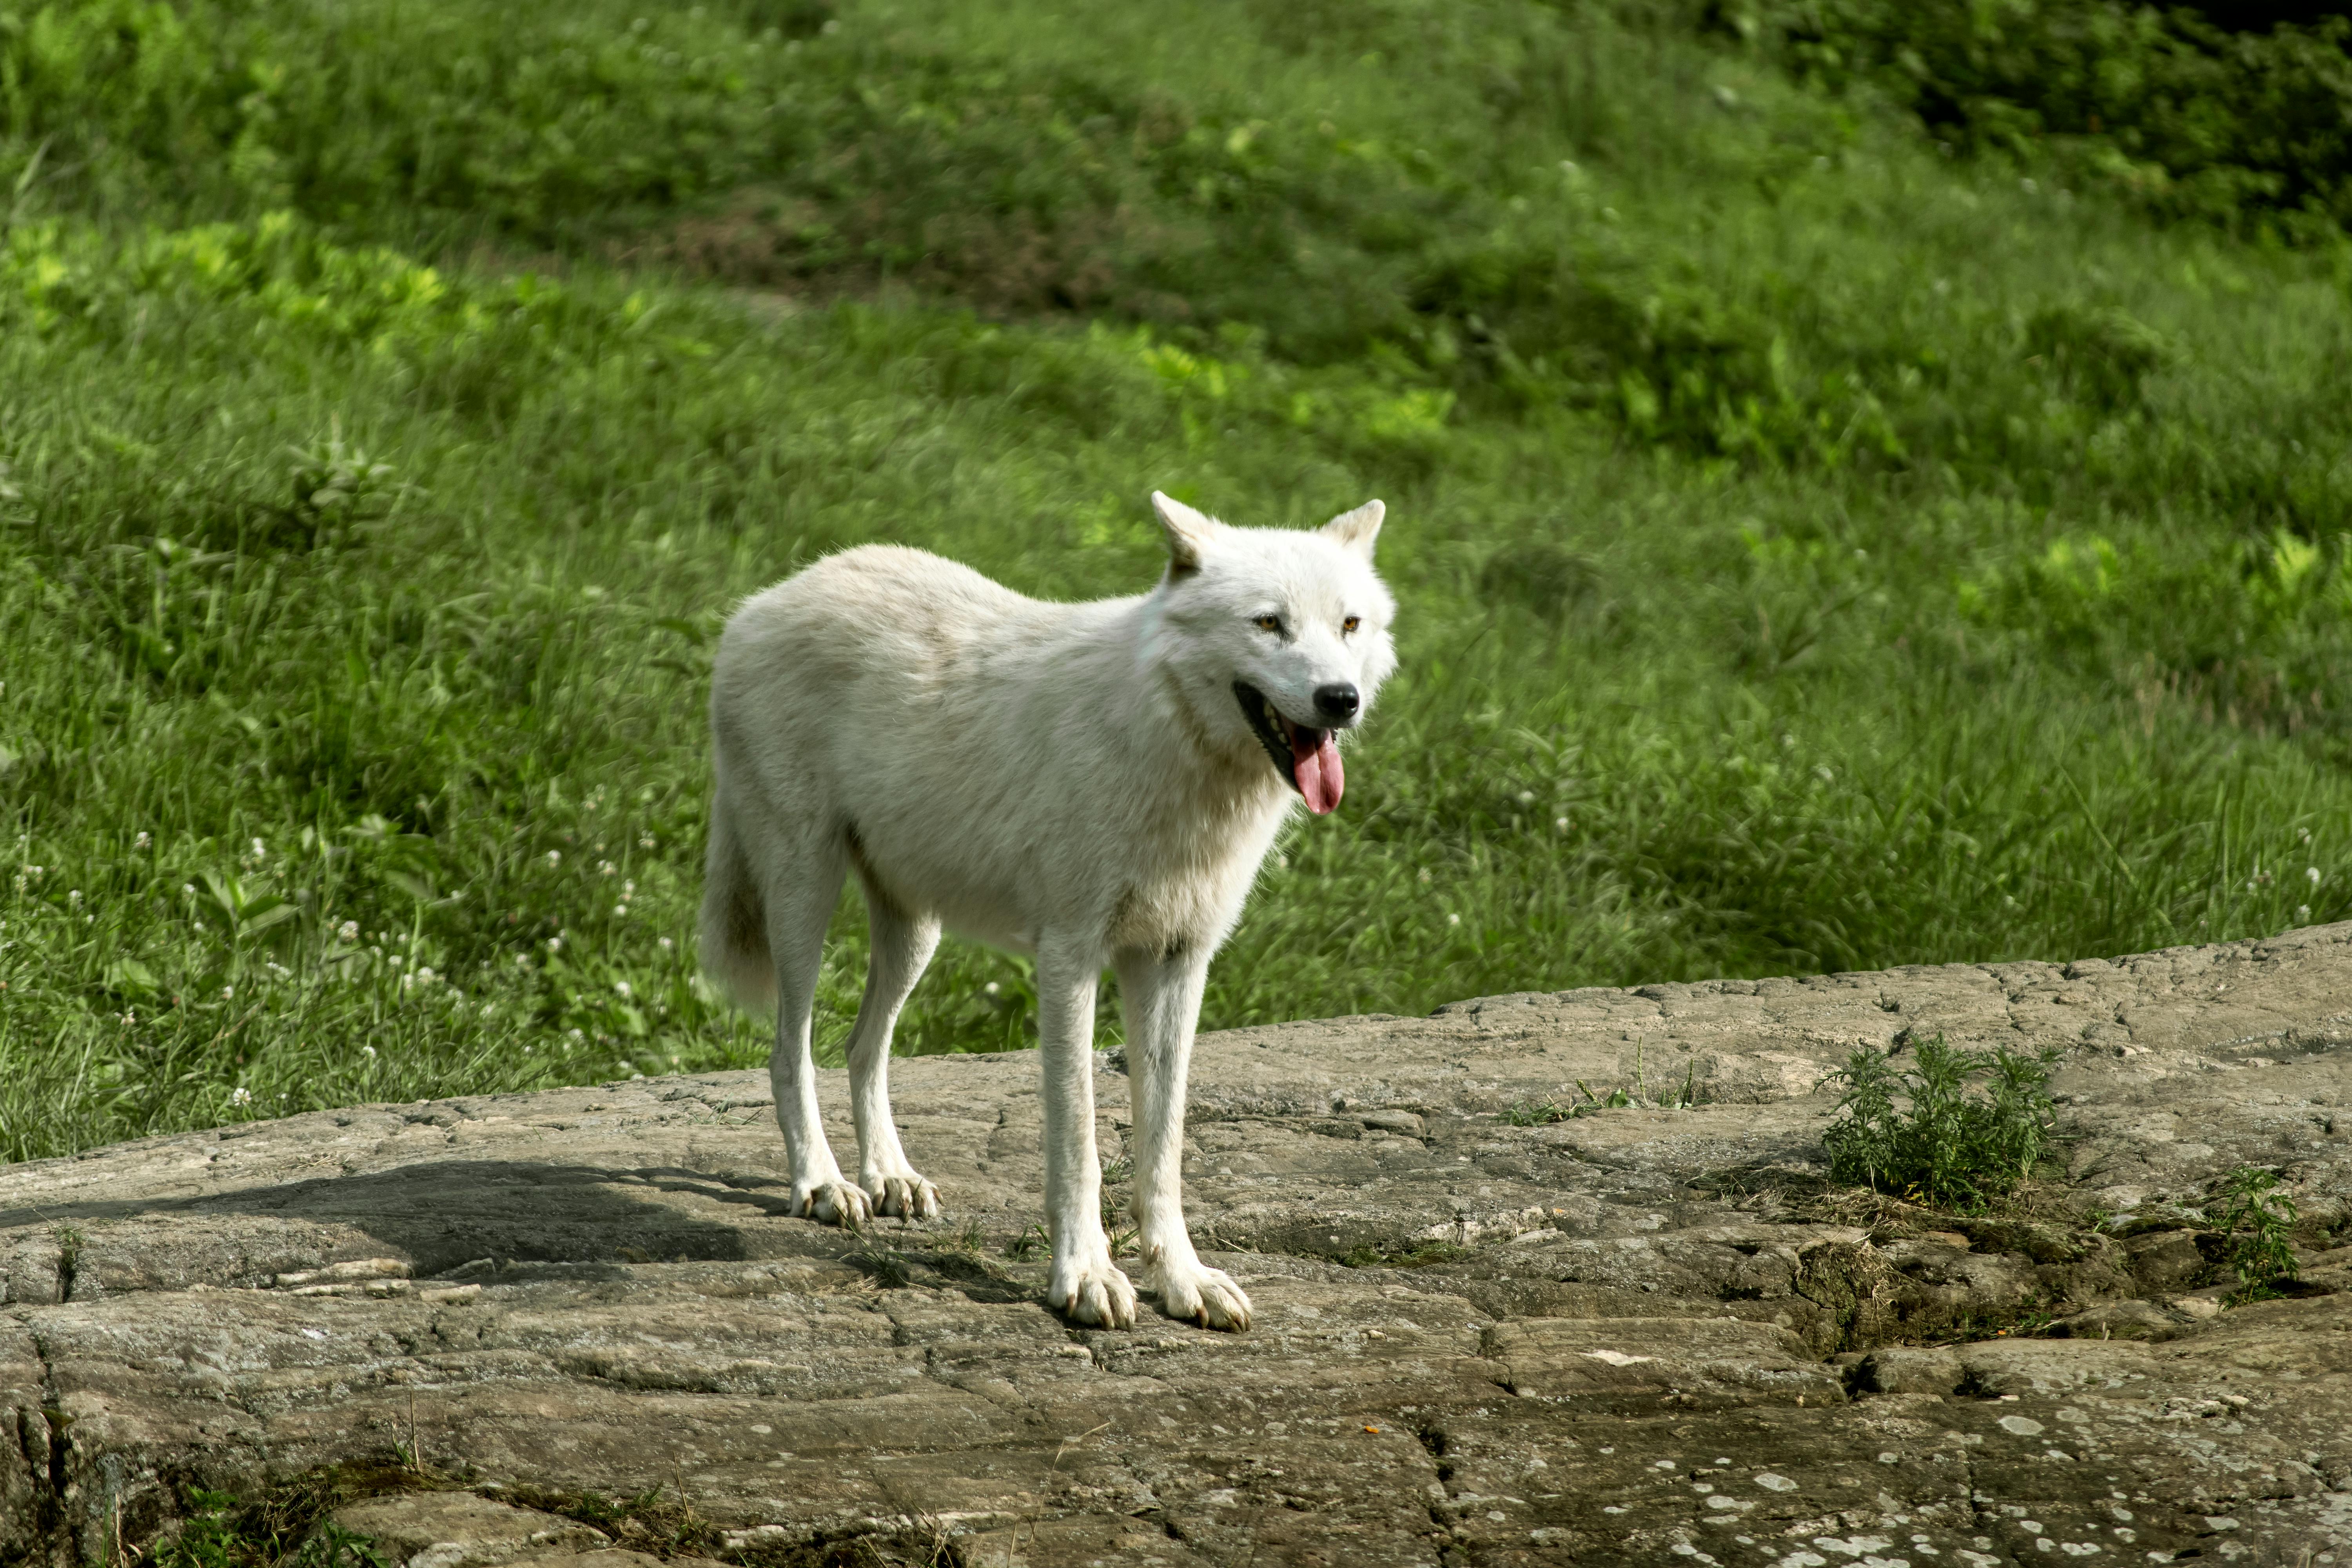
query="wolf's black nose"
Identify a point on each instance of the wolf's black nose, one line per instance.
(1336, 703)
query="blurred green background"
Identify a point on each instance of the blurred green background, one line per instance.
(1868, 485)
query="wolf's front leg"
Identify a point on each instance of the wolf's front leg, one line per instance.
(1085, 1283)
(1162, 999)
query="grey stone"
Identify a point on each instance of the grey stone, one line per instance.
(1636, 1335)
(1894, 1370)
(458, 1530)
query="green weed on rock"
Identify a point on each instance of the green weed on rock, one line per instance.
(2254, 1222)
(1959, 1130)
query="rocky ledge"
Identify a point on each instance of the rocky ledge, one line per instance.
(1637, 1335)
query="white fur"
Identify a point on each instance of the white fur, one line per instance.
(1077, 782)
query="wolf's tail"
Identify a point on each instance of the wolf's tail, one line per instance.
(734, 934)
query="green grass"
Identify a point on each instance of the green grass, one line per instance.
(1815, 551)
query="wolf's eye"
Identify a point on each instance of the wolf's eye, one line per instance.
(1269, 623)
(1351, 623)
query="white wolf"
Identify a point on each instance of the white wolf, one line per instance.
(1086, 782)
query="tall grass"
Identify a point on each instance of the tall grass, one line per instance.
(1813, 555)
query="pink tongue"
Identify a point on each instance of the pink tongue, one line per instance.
(1317, 769)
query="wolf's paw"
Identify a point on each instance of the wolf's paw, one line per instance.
(832, 1201)
(909, 1196)
(1094, 1290)
(1207, 1296)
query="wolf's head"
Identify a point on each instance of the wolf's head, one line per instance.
(1277, 637)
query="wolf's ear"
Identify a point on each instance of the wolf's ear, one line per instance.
(1188, 532)
(1358, 528)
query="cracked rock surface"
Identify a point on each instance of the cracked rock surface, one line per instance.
(1633, 1336)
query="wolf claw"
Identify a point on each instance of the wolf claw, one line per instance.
(1207, 1296)
(1100, 1294)
(833, 1202)
(910, 1197)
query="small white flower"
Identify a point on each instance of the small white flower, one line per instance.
(424, 975)
(555, 944)
(628, 890)
(1527, 797)
(368, 1051)
(348, 932)
(2313, 873)
(2302, 833)
(1560, 824)
(1453, 919)
(621, 989)
(228, 991)
(620, 909)
(1425, 876)
(667, 944)
(143, 841)
(240, 1095)
(188, 889)
(130, 1017)
(73, 899)
(1823, 773)
(577, 1035)
(393, 961)
(991, 988)
(2303, 911)
(648, 841)
(260, 849)
(554, 858)
(606, 867)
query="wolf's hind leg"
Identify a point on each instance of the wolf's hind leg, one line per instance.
(902, 946)
(1162, 1002)
(1084, 1282)
(803, 883)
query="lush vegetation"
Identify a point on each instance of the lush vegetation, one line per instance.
(1818, 548)
(2162, 106)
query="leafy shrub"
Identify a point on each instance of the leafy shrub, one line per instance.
(2255, 1219)
(1954, 1144)
(2160, 103)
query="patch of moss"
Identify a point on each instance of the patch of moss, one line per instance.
(1396, 1255)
